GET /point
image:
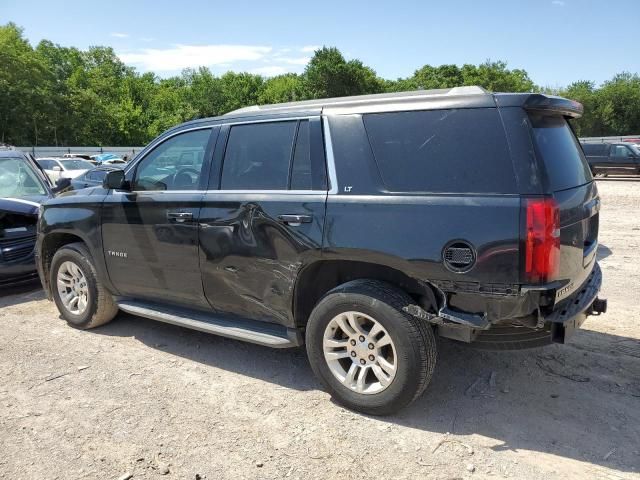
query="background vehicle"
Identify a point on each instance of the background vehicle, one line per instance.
(57, 168)
(361, 226)
(23, 186)
(94, 177)
(612, 158)
(105, 157)
(84, 156)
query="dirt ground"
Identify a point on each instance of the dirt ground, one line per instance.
(149, 400)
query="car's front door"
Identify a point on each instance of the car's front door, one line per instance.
(150, 230)
(263, 217)
(622, 160)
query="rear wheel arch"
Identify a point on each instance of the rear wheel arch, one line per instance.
(319, 278)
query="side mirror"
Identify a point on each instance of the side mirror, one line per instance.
(114, 180)
(57, 169)
(61, 185)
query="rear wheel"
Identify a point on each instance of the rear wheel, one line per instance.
(371, 355)
(80, 298)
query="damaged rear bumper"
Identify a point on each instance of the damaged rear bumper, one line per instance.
(571, 313)
(555, 326)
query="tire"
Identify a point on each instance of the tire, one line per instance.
(100, 307)
(412, 347)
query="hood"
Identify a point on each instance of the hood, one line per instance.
(18, 217)
(22, 206)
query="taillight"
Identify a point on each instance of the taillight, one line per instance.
(542, 242)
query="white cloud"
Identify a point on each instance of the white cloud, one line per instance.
(270, 71)
(179, 57)
(147, 39)
(310, 48)
(559, 3)
(119, 35)
(295, 61)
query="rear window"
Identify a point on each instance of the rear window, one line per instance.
(442, 151)
(560, 151)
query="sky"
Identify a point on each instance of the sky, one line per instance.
(556, 41)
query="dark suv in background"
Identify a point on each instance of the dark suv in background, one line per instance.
(361, 226)
(615, 158)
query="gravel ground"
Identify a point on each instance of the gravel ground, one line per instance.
(148, 400)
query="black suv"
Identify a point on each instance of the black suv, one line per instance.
(361, 226)
(615, 158)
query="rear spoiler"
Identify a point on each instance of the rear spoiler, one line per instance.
(538, 102)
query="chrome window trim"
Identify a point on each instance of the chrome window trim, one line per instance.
(331, 162)
(328, 148)
(224, 192)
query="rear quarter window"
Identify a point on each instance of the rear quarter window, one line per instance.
(560, 152)
(442, 151)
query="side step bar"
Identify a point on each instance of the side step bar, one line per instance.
(262, 333)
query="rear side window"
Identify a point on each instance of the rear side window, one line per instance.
(258, 156)
(595, 149)
(442, 151)
(555, 142)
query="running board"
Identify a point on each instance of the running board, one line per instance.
(262, 333)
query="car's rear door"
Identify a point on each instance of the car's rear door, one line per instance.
(262, 218)
(150, 231)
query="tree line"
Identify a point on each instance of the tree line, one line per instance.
(54, 95)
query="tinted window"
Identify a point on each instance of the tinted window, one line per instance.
(258, 156)
(176, 164)
(564, 162)
(442, 151)
(595, 148)
(301, 170)
(96, 175)
(620, 151)
(46, 164)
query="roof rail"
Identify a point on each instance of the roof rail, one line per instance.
(361, 99)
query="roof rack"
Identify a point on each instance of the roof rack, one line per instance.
(363, 99)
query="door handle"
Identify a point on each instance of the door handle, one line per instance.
(295, 219)
(179, 217)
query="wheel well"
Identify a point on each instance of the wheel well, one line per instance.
(319, 278)
(50, 245)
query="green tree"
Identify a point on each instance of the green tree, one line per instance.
(24, 81)
(66, 96)
(328, 74)
(495, 77)
(282, 88)
(240, 90)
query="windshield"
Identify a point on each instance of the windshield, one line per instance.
(76, 164)
(17, 179)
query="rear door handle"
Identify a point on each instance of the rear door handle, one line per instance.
(179, 217)
(295, 219)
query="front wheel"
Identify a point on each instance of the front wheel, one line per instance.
(371, 355)
(82, 301)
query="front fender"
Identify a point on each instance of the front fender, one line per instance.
(70, 219)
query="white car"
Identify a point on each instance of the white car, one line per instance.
(57, 168)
